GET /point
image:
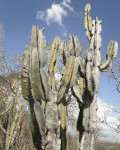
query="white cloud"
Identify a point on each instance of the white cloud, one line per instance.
(108, 133)
(40, 15)
(107, 115)
(107, 111)
(67, 5)
(65, 34)
(67, 1)
(55, 14)
(103, 109)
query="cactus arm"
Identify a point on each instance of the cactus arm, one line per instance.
(89, 79)
(42, 48)
(44, 81)
(115, 52)
(81, 66)
(82, 85)
(77, 45)
(36, 136)
(61, 92)
(88, 21)
(50, 80)
(35, 77)
(52, 66)
(66, 77)
(111, 54)
(64, 52)
(106, 65)
(63, 119)
(68, 71)
(112, 50)
(96, 76)
(97, 58)
(77, 93)
(52, 61)
(74, 72)
(97, 31)
(12, 121)
(71, 46)
(34, 36)
(40, 120)
(51, 111)
(25, 75)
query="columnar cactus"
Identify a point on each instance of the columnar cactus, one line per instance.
(48, 97)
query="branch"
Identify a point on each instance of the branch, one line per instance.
(114, 73)
(6, 110)
(11, 87)
(117, 128)
(4, 131)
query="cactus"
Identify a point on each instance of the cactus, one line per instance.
(14, 116)
(88, 21)
(48, 101)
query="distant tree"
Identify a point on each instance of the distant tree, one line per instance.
(114, 74)
(11, 104)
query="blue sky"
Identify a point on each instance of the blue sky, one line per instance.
(61, 18)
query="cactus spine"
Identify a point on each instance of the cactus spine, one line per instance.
(47, 100)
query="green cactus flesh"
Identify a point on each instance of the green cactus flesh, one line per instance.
(79, 78)
(35, 77)
(88, 21)
(52, 61)
(82, 85)
(44, 81)
(63, 118)
(68, 71)
(39, 114)
(42, 48)
(77, 46)
(25, 75)
(74, 72)
(34, 37)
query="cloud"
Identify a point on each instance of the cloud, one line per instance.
(56, 12)
(67, 1)
(65, 34)
(67, 5)
(103, 108)
(108, 133)
(107, 111)
(107, 114)
(40, 15)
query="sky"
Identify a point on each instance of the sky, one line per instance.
(61, 18)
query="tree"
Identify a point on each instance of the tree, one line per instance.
(114, 74)
(110, 116)
(11, 102)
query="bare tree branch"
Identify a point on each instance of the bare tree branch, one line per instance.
(115, 127)
(114, 74)
(4, 131)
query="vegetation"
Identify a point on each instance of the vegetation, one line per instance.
(40, 121)
(47, 95)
